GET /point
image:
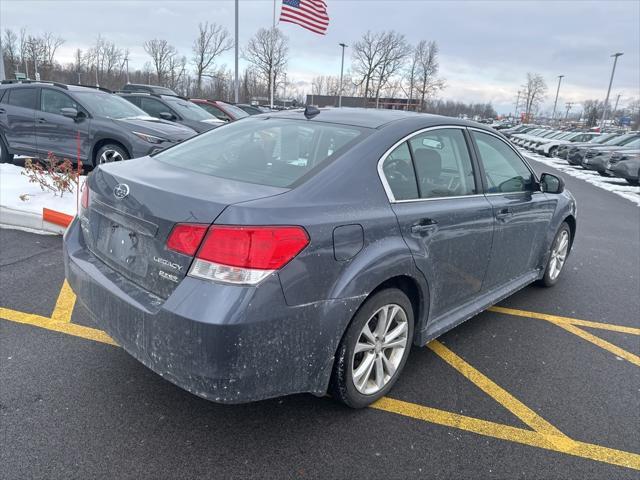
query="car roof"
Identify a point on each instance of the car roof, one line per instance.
(373, 118)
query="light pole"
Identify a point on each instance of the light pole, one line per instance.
(341, 73)
(555, 104)
(606, 100)
(236, 83)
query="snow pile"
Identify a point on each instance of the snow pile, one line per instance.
(619, 186)
(21, 202)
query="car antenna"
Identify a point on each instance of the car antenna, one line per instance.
(310, 112)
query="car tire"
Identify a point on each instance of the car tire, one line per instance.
(634, 182)
(552, 152)
(558, 252)
(342, 386)
(602, 173)
(109, 153)
(5, 156)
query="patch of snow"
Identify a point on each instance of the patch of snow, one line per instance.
(619, 186)
(21, 202)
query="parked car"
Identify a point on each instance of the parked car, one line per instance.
(563, 150)
(251, 109)
(523, 128)
(38, 118)
(175, 109)
(140, 87)
(554, 135)
(625, 165)
(520, 138)
(588, 157)
(576, 157)
(221, 110)
(597, 159)
(550, 148)
(307, 251)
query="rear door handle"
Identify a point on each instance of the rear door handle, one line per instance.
(2, 110)
(503, 214)
(424, 227)
(42, 120)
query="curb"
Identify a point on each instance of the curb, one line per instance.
(50, 221)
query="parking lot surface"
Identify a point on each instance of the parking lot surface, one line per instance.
(546, 385)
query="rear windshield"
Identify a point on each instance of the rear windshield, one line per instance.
(274, 152)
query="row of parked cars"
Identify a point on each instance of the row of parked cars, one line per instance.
(97, 125)
(611, 154)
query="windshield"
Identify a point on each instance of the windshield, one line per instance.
(109, 105)
(188, 110)
(275, 152)
(236, 111)
(632, 143)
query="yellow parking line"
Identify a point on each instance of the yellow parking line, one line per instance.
(620, 352)
(64, 305)
(571, 326)
(56, 325)
(505, 432)
(500, 395)
(573, 321)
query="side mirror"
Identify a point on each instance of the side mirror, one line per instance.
(167, 116)
(551, 184)
(69, 112)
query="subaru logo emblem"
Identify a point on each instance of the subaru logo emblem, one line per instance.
(121, 190)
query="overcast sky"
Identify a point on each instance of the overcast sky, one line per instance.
(487, 47)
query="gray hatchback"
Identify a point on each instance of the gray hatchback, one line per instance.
(306, 251)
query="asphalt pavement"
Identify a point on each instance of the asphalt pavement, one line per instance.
(506, 395)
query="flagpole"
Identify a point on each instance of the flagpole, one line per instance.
(272, 73)
(237, 83)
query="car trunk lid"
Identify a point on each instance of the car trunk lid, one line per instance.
(134, 205)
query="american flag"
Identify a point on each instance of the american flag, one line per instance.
(309, 14)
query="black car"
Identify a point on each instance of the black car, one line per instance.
(38, 118)
(175, 109)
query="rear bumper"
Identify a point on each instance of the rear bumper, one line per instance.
(228, 344)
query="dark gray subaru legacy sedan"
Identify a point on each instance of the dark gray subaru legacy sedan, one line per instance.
(307, 251)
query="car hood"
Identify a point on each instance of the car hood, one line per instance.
(156, 126)
(202, 126)
(609, 148)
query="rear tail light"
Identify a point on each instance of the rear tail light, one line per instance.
(186, 238)
(242, 255)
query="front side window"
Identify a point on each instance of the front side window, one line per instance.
(215, 111)
(504, 170)
(52, 101)
(153, 107)
(275, 152)
(188, 110)
(442, 163)
(22, 97)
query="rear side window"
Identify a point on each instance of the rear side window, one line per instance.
(504, 170)
(22, 97)
(443, 165)
(275, 152)
(400, 175)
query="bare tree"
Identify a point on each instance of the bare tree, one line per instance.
(50, 45)
(393, 52)
(427, 75)
(534, 91)
(105, 61)
(212, 41)
(592, 111)
(162, 55)
(10, 52)
(268, 52)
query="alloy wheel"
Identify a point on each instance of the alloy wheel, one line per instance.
(379, 349)
(109, 156)
(558, 254)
